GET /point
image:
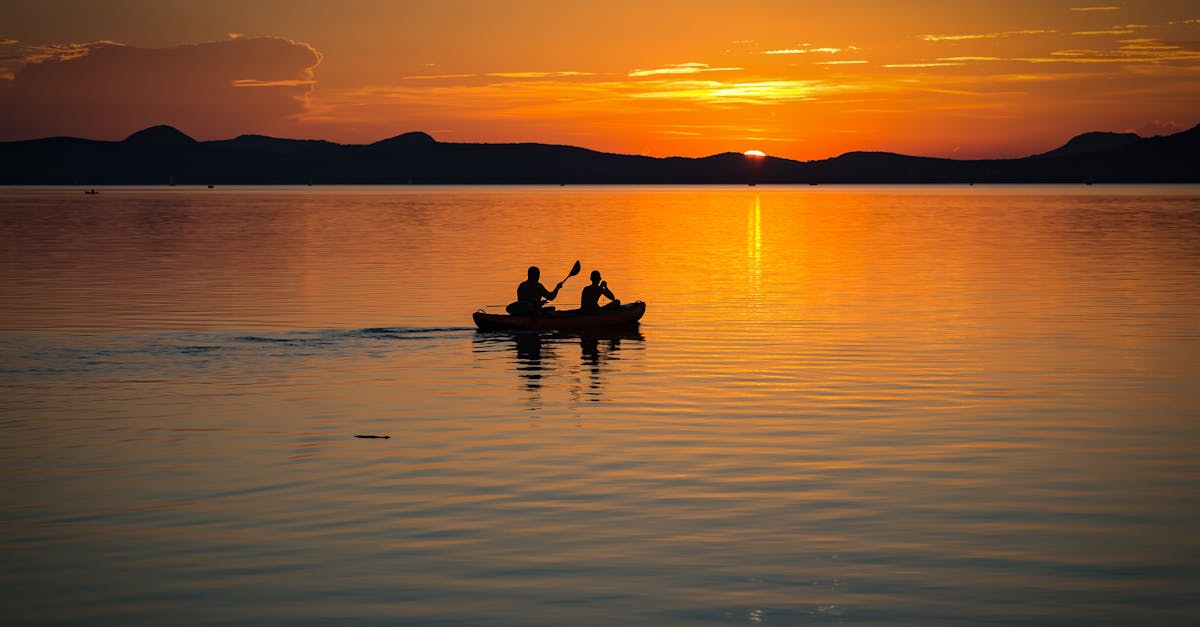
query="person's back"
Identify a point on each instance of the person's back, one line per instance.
(531, 292)
(589, 298)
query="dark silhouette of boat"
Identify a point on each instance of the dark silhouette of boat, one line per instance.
(567, 320)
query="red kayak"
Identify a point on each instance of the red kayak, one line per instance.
(568, 320)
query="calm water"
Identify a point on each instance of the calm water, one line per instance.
(886, 406)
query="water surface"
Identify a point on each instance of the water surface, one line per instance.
(861, 405)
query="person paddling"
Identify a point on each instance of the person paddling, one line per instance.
(589, 299)
(531, 292)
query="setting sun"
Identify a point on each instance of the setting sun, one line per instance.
(754, 153)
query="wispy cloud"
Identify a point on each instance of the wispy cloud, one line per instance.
(1011, 33)
(846, 62)
(1140, 50)
(923, 65)
(806, 50)
(1104, 32)
(1105, 8)
(429, 77)
(250, 82)
(61, 52)
(1132, 51)
(682, 68)
(750, 92)
(537, 74)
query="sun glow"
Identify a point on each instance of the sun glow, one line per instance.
(755, 153)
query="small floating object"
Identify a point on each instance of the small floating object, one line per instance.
(91, 191)
(374, 437)
(211, 186)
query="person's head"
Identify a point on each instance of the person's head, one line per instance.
(595, 276)
(534, 273)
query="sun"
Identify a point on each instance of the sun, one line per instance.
(755, 153)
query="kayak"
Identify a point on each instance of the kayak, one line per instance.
(568, 320)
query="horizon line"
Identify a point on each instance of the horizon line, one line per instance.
(437, 141)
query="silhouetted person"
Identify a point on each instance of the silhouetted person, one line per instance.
(530, 294)
(589, 299)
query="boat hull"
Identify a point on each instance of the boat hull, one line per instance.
(570, 320)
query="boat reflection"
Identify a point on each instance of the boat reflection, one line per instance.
(540, 358)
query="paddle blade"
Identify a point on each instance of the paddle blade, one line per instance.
(574, 269)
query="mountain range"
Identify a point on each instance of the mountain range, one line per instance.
(162, 155)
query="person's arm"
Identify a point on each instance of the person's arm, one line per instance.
(607, 292)
(548, 295)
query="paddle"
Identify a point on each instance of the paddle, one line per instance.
(574, 271)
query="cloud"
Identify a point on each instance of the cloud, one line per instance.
(106, 90)
(1141, 50)
(749, 92)
(922, 65)
(1160, 127)
(804, 51)
(424, 77)
(537, 74)
(1010, 33)
(682, 68)
(1095, 8)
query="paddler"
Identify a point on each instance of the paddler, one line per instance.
(531, 294)
(589, 299)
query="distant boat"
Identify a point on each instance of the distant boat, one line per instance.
(91, 191)
(210, 186)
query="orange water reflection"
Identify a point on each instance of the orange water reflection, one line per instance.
(912, 402)
(541, 359)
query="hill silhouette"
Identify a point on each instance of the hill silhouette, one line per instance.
(161, 136)
(1091, 142)
(162, 154)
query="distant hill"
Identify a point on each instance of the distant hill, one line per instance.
(162, 154)
(1091, 142)
(161, 136)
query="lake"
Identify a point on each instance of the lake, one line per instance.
(910, 405)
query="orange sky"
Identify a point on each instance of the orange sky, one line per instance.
(797, 79)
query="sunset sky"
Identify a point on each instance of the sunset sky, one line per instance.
(796, 79)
